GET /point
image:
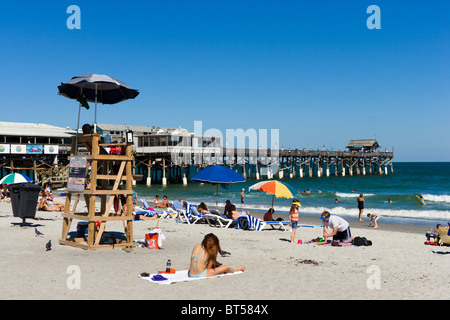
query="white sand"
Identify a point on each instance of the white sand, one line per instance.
(407, 268)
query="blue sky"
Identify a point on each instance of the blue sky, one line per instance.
(311, 69)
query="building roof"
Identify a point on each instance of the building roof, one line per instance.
(363, 143)
(34, 130)
(141, 129)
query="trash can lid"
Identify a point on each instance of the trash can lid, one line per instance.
(27, 186)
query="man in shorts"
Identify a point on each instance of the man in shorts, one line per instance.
(340, 228)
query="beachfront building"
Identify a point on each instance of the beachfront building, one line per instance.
(33, 148)
(165, 154)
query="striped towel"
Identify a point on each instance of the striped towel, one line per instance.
(188, 212)
(253, 222)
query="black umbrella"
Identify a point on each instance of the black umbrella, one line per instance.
(97, 88)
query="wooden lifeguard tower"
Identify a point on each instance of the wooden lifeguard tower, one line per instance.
(104, 167)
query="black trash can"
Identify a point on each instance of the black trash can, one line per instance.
(24, 199)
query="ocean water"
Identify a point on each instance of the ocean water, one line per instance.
(431, 180)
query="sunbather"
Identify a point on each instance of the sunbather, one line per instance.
(229, 208)
(268, 216)
(45, 205)
(203, 208)
(204, 259)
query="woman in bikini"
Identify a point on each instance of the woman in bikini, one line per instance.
(204, 259)
(45, 205)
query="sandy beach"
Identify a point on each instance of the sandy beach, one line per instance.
(397, 266)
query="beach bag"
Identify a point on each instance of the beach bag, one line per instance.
(243, 223)
(152, 241)
(361, 241)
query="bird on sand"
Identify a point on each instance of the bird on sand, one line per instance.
(37, 232)
(48, 246)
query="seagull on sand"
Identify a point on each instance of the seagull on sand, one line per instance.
(48, 246)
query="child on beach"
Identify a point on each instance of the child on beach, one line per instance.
(373, 218)
(293, 218)
(204, 259)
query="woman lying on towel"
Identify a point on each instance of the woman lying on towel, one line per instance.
(204, 259)
(45, 205)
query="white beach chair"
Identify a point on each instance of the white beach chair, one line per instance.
(201, 217)
(275, 225)
(178, 207)
(221, 219)
(189, 217)
(161, 214)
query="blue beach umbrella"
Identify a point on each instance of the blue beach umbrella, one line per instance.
(216, 175)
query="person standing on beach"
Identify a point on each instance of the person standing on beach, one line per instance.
(242, 195)
(360, 205)
(293, 218)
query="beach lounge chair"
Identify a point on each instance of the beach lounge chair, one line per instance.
(189, 217)
(140, 210)
(204, 217)
(178, 207)
(161, 214)
(222, 220)
(275, 225)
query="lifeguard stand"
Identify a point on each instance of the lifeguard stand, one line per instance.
(104, 167)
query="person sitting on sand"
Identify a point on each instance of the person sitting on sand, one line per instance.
(204, 259)
(373, 218)
(45, 205)
(341, 228)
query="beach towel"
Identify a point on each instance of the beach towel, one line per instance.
(178, 276)
(253, 222)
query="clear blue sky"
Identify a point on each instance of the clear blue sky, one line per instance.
(311, 69)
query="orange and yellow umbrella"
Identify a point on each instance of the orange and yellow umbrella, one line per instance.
(273, 187)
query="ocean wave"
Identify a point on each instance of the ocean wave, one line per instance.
(401, 213)
(352, 195)
(436, 198)
(443, 215)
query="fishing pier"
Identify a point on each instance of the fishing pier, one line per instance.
(172, 155)
(272, 164)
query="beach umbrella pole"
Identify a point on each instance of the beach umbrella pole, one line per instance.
(95, 117)
(217, 196)
(78, 128)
